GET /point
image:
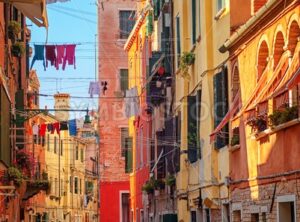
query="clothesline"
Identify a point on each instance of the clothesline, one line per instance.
(55, 54)
(71, 125)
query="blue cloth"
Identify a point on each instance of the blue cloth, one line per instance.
(39, 55)
(72, 127)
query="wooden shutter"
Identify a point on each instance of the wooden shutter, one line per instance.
(5, 146)
(221, 106)
(194, 17)
(198, 114)
(124, 79)
(178, 141)
(124, 135)
(192, 135)
(128, 155)
(178, 40)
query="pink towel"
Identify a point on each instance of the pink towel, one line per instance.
(69, 56)
(60, 50)
(50, 55)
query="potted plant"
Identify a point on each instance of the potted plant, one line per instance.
(13, 174)
(186, 60)
(159, 184)
(235, 140)
(258, 124)
(17, 49)
(148, 187)
(13, 29)
(282, 116)
(170, 180)
(39, 185)
(24, 161)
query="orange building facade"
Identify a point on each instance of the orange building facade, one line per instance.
(264, 60)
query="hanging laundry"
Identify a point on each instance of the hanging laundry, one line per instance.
(35, 129)
(79, 123)
(50, 128)
(43, 130)
(38, 55)
(50, 55)
(60, 54)
(69, 56)
(63, 126)
(104, 86)
(94, 89)
(132, 107)
(56, 127)
(72, 127)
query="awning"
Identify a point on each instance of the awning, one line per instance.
(235, 106)
(262, 108)
(281, 100)
(35, 10)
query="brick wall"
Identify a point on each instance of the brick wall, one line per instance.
(259, 199)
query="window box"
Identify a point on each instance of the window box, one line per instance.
(275, 129)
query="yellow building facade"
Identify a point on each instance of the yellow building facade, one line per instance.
(134, 46)
(200, 27)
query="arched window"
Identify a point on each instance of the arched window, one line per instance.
(262, 59)
(278, 48)
(294, 34)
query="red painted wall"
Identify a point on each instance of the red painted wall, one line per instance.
(110, 193)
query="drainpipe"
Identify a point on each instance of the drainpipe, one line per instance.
(244, 28)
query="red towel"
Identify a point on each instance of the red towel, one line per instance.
(50, 55)
(60, 49)
(43, 130)
(69, 56)
(56, 127)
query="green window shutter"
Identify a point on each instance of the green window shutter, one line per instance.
(124, 79)
(48, 142)
(5, 146)
(178, 47)
(198, 114)
(128, 155)
(156, 9)
(192, 135)
(178, 141)
(61, 147)
(194, 17)
(81, 155)
(55, 143)
(124, 135)
(149, 29)
(221, 106)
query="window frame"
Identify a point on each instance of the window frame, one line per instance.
(122, 34)
(122, 88)
(75, 185)
(123, 149)
(178, 40)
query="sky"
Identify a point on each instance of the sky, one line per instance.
(72, 22)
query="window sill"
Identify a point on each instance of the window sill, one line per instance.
(270, 131)
(234, 148)
(123, 41)
(220, 13)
